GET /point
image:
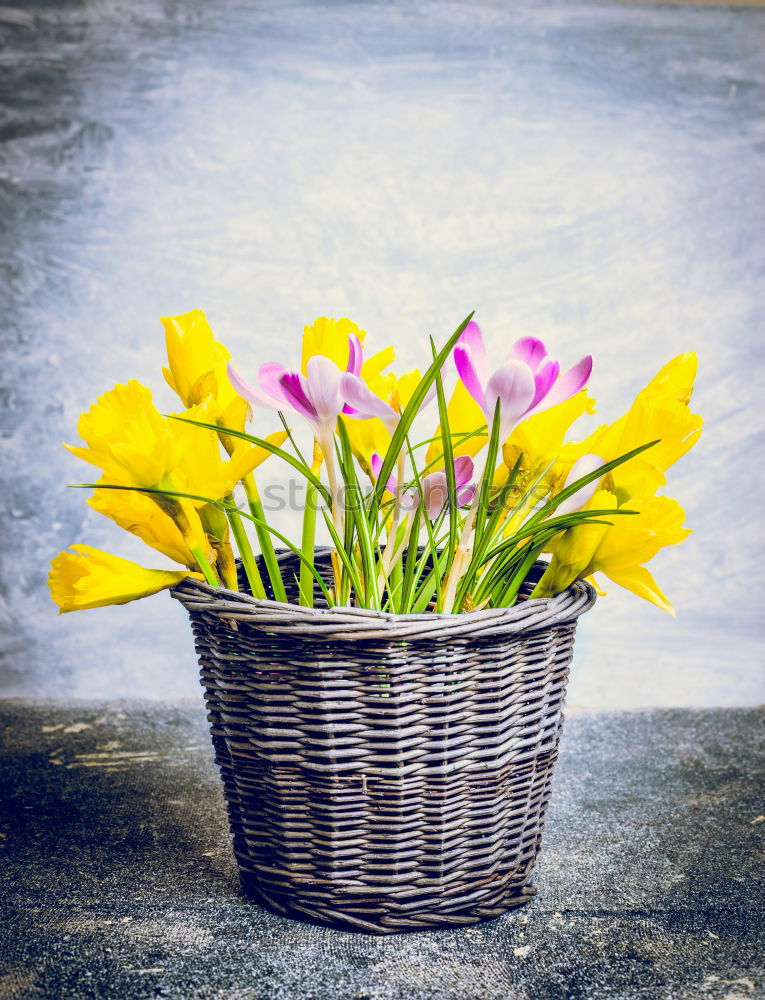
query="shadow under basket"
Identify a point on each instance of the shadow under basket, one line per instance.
(384, 772)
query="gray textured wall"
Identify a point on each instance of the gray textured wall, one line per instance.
(591, 173)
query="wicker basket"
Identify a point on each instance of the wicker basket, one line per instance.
(384, 772)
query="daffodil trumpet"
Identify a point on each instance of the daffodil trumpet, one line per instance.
(89, 578)
(502, 483)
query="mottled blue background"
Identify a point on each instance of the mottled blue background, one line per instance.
(591, 173)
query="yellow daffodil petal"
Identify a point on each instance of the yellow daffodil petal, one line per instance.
(635, 539)
(404, 389)
(85, 454)
(247, 457)
(192, 353)
(232, 416)
(540, 437)
(277, 439)
(675, 380)
(127, 437)
(659, 413)
(667, 421)
(367, 437)
(639, 581)
(143, 468)
(465, 416)
(372, 367)
(94, 579)
(329, 337)
(142, 517)
(594, 582)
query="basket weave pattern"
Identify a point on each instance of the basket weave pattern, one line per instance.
(385, 772)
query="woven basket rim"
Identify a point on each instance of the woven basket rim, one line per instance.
(349, 623)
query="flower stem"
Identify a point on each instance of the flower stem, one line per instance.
(327, 449)
(308, 540)
(393, 529)
(245, 551)
(204, 565)
(307, 545)
(264, 538)
(463, 548)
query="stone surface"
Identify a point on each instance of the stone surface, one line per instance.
(590, 172)
(118, 882)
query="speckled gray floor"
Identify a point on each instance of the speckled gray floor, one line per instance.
(118, 882)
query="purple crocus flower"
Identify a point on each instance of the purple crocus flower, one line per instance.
(320, 395)
(527, 383)
(435, 488)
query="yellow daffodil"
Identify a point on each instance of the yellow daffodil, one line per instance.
(576, 547)
(128, 438)
(634, 540)
(202, 470)
(151, 522)
(194, 357)
(329, 338)
(660, 412)
(619, 551)
(138, 514)
(94, 579)
(197, 372)
(136, 446)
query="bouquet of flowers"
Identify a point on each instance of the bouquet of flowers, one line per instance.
(439, 491)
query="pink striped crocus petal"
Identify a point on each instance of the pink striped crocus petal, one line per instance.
(435, 491)
(353, 368)
(463, 470)
(472, 337)
(363, 401)
(294, 390)
(355, 359)
(513, 386)
(528, 349)
(463, 359)
(355, 354)
(465, 495)
(252, 393)
(323, 387)
(268, 377)
(544, 379)
(376, 464)
(568, 385)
